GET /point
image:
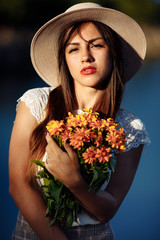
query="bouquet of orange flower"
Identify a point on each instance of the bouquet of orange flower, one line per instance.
(95, 139)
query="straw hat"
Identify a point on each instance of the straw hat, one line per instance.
(44, 46)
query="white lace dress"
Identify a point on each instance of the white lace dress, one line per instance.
(36, 100)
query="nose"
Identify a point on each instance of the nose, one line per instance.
(87, 56)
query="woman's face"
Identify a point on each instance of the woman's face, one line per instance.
(88, 57)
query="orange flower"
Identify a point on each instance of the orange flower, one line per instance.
(116, 139)
(99, 154)
(65, 134)
(96, 124)
(80, 136)
(99, 139)
(110, 124)
(103, 154)
(55, 127)
(79, 120)
(89, 155)
(73, 122)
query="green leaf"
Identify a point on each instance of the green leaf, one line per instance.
(46, 181)
(55, 217)
(95, 177)
(71, 204)
(76, 210)
(50, 204)
(39, 163)
(46, 192)
(41, 174)
(99, 177)
(52, 222)
(55, 190)
(113, 163)
(69, 220)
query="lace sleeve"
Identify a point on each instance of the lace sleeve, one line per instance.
(36, 100)
(136, 133)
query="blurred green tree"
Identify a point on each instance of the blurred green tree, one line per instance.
(143, 10)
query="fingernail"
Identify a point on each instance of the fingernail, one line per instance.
(47, 134)
(67, 140)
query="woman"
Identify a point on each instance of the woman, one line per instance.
(86, 54)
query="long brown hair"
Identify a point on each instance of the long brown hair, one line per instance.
(63, 100)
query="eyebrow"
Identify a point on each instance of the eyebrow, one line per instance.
(90, 41)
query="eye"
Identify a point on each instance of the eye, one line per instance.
(97, 46)
(73, 50)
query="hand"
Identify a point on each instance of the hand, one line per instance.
(62, 165)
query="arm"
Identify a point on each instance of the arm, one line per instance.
(104, 204)
(28, 200)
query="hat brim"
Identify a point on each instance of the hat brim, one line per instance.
(44, 46)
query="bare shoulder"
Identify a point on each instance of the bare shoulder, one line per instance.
(24, 121)
(23, 127)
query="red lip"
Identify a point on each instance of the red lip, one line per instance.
(88, 70)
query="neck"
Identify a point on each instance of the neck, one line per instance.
(87, 97)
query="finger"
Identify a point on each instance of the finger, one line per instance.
(48, 150)
(69, 149)
(48, 138)
(51, 142)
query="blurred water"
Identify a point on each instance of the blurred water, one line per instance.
(139, 215)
